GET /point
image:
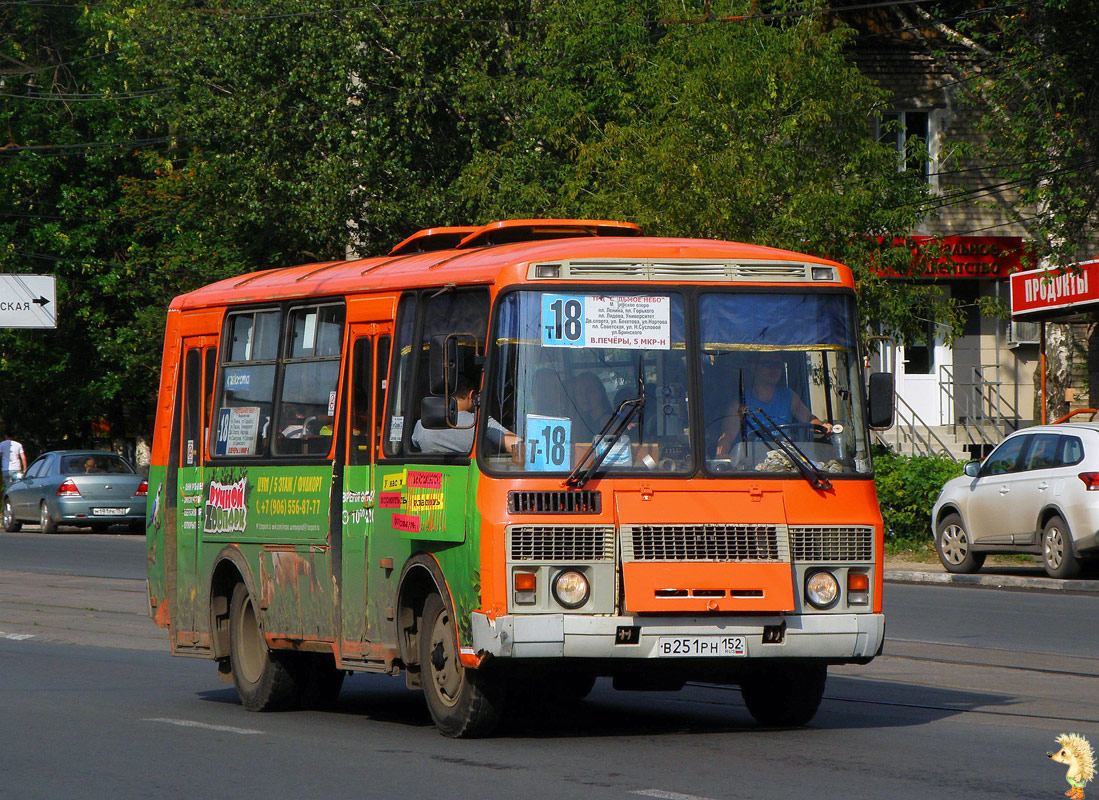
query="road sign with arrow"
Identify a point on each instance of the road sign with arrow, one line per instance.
(28, 301)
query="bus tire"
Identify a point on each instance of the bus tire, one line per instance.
(464, 703)
(784, 695)
(265, 681)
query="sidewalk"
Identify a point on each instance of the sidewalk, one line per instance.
(991, 576)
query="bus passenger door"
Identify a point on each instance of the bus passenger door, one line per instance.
(370, 346)
(192, 611)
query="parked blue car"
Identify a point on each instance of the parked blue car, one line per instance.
(86, 488)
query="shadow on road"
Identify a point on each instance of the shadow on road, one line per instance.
(699, 709)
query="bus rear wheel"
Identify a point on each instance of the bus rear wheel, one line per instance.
(784, 695)
(265, 680)
(464, 703)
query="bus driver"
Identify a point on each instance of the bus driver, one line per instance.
(460, 438)
(768, 393)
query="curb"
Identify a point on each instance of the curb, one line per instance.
(1012, 582)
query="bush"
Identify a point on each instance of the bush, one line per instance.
(907, 489)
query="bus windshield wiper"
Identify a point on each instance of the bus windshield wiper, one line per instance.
(605, 441)
(777, 437)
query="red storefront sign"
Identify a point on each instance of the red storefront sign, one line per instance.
(962, 257)
(1042, 290)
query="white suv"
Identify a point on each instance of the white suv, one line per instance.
(1038, 492)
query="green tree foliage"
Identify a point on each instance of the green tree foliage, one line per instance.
(753, 129)
(212, 141)
(71, 124)
(907, 489)
(1034, 67)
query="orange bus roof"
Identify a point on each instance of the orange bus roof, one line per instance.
(431, 239)
(499, 264)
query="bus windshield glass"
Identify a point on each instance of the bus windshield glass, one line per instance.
(566, 361)
(781, 369)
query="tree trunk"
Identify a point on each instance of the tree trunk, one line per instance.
(1058, 373)
(1093, 362)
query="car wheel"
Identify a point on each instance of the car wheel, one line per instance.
(11, 524)
(1057, 554)
(784, 695)
(953, 546)
(45, 519)
(265, 681)
(463, 702)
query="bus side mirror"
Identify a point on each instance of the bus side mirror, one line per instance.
(438, 413)
(880, 401)
(448, 356)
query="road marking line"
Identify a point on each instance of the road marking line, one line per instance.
(660, 793)
(187, 723)
(16, 636)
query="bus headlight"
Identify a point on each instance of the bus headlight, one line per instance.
(822, 590)
(571, 589)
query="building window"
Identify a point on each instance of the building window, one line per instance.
(909, 130)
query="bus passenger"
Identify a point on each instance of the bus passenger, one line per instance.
(592, 407)
(769, 394)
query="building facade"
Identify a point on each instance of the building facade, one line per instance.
(958, 397)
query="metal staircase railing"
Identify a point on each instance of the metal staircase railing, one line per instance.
(980, 409)
(910, 431)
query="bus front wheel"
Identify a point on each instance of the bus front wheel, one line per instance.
(464, 703)
(784, 695)
(264, 680)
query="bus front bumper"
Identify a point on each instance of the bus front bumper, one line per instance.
(835, 637)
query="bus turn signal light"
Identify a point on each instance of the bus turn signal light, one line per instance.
(526, 586)
(858, 589)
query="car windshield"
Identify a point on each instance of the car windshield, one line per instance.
(781, 367)
(565, 361)
(94, 463)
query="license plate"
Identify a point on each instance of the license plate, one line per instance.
(109, 512)
(694, 646)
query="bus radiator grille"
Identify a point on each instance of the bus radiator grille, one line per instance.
(561, 543)
(704, 543)
(555, 502)
(821, 543)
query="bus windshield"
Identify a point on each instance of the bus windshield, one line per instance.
(777, 370)
(565, 361)
(781, 367)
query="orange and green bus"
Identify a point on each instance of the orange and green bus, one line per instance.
(508, 460)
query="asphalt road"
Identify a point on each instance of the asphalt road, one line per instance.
(954, 708)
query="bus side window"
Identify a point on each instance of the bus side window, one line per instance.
(381, 373)
(310, 379)
(455, 312)
(192, 405)
(210, 373)
(399, 377)
(361, 401)
(421, 317)
(242, 423)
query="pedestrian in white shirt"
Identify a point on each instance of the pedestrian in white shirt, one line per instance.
(13, 461)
